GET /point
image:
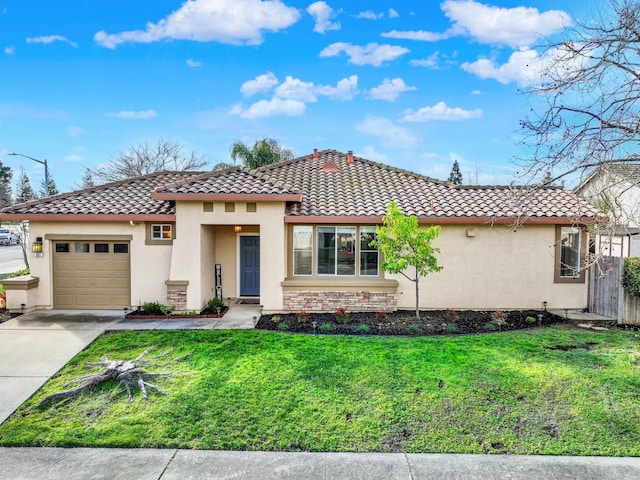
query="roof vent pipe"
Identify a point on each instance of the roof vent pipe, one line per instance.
(349, 157)
(315, 153)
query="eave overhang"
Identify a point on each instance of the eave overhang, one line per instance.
(229, 197)
(43, 217)
(346, 219)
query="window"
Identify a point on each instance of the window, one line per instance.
(336, 250)
(120, 248)
(101, 248)
(82, 247)
(161, 232)
(368, 254)
(569, 255)
(302, 249)
(62, 247)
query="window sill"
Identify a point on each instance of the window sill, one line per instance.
(339, 283)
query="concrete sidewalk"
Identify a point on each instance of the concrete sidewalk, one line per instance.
(150, 464)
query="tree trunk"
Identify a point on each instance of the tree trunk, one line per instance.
(417, 295)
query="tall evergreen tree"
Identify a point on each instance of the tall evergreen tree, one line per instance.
(455, 177)
(24, 190)
(53, 190)
(87, 180)
(5, 185)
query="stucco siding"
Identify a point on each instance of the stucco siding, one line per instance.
(495, 268)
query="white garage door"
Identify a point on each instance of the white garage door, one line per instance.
(91, 274)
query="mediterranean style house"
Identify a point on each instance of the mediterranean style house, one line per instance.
(296, 236)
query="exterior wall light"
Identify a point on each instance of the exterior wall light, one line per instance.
(237, 228)
(36, 247)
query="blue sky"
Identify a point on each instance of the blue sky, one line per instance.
(415, 84)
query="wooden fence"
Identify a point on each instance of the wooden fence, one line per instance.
(606, 294)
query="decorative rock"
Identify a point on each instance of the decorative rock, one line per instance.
(599, 329)
(586, 326)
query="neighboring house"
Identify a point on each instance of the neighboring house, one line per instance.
(297, 236)
(615, 189)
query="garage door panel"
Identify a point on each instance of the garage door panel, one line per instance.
(89, 279)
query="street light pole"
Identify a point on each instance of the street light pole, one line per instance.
(46, 170)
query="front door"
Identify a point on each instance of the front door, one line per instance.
(249, 266)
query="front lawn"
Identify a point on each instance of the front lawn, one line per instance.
(553, 391)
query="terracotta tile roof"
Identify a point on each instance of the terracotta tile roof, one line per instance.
(126, 197)
(234, 180)
(365, 188)
(360, 188)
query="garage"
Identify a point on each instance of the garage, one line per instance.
(91, 274)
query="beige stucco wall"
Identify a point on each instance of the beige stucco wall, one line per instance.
(498, 268)
(210, 236)
(149, 263)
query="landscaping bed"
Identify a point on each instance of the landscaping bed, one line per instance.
(404, 322)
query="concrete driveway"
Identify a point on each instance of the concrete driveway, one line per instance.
(34, 346)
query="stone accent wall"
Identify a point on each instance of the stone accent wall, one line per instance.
(177, 295)
(319, 301)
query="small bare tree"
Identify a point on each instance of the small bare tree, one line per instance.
(144, 158)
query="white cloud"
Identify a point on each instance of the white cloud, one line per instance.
(322, 13)
(131, 115)
(388, 133)
(74, 131)
(193, 63)
(10, 50)
(369, 152)
(47, 39)
(523, 67)
(421, 35)
(237, 22)
(345, 89)
(440, 111)
(393, 13)
(262, 83)
(74, 158)
(296, 89)
(270, 108)
(390, 89)
(371, 54)
(432, 61)
(514, 27)
(476, 92)
(369, 15)
(291, 96)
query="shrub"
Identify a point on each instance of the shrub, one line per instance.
(631, 276)
(530, 320)
(452, 328)
(276, 319)
(489, 326)
(215, 303)
(499, 318)
(156, 308)
(381, 316)
(413, 329)
(326, 327)
(282, 326)
(302, 317)
(363, 329)
(451, 315)
(342, 316)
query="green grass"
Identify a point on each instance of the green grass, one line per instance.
(255, 390)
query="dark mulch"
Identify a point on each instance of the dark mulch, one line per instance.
(404, 322)
(5, 315)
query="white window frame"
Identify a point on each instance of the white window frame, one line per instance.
(162, 228)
